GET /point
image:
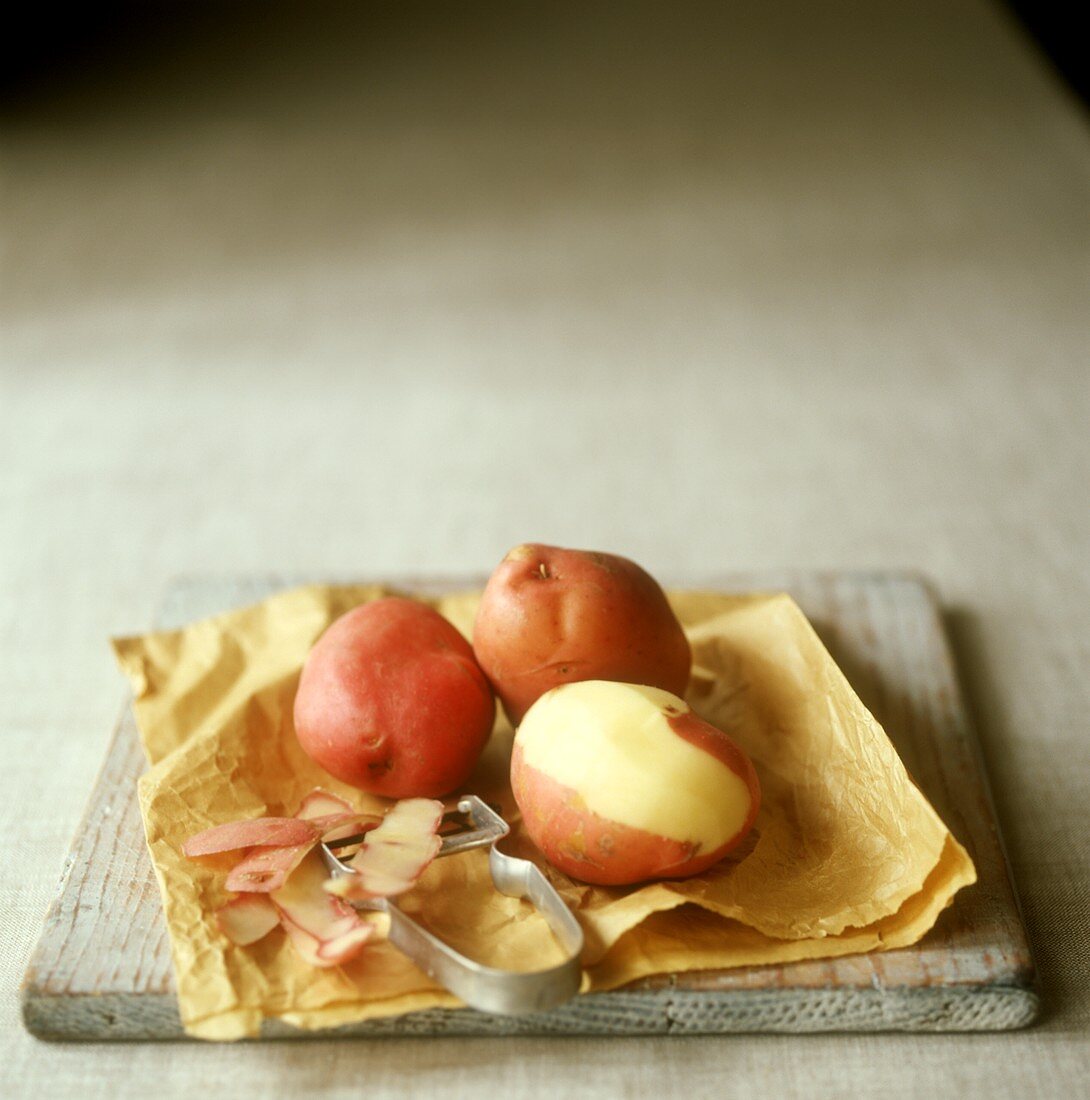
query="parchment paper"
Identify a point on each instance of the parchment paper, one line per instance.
(847, 855)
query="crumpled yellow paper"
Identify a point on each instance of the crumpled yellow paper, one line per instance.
(846, 856)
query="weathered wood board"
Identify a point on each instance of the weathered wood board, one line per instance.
(102, 969)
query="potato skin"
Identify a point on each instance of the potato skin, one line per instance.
(550, 616)
(588, 847)
(392, 701)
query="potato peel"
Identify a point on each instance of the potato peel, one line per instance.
(328, 953)
(263, 870)
(281, 879)
(323, 929)
(247, 919)
(322, 803)
(395, 854)
(268, 832)
(342, 826)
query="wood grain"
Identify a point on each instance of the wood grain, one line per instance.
(102, 968)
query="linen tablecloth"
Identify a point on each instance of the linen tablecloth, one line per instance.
(383, 290)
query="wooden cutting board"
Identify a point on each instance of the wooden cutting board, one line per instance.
(102, 968)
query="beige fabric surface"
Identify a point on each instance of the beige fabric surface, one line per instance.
(721, 287)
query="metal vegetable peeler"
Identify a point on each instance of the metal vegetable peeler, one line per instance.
(484, 987)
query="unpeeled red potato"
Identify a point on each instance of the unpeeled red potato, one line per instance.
(391, 701)
(620, 783)
(550, 616)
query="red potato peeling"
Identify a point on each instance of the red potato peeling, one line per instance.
(328, 953)
(277, 845)
(305, 903)
(321, 803)
(324, 809)
(263, 870)
(346, 946)
(323, 929)
(247, 919)
(335, 826)
(333, 816)
(395, 854)
(259, 832)
(284, 883)
(266, 869)
(331, 952)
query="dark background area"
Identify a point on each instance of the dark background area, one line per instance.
(1055, 27)
(51, 47)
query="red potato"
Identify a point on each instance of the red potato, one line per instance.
(550, 616)
(391, 701)
(620, 783)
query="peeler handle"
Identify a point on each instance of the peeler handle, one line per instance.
(519, 878)
(486, 988)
